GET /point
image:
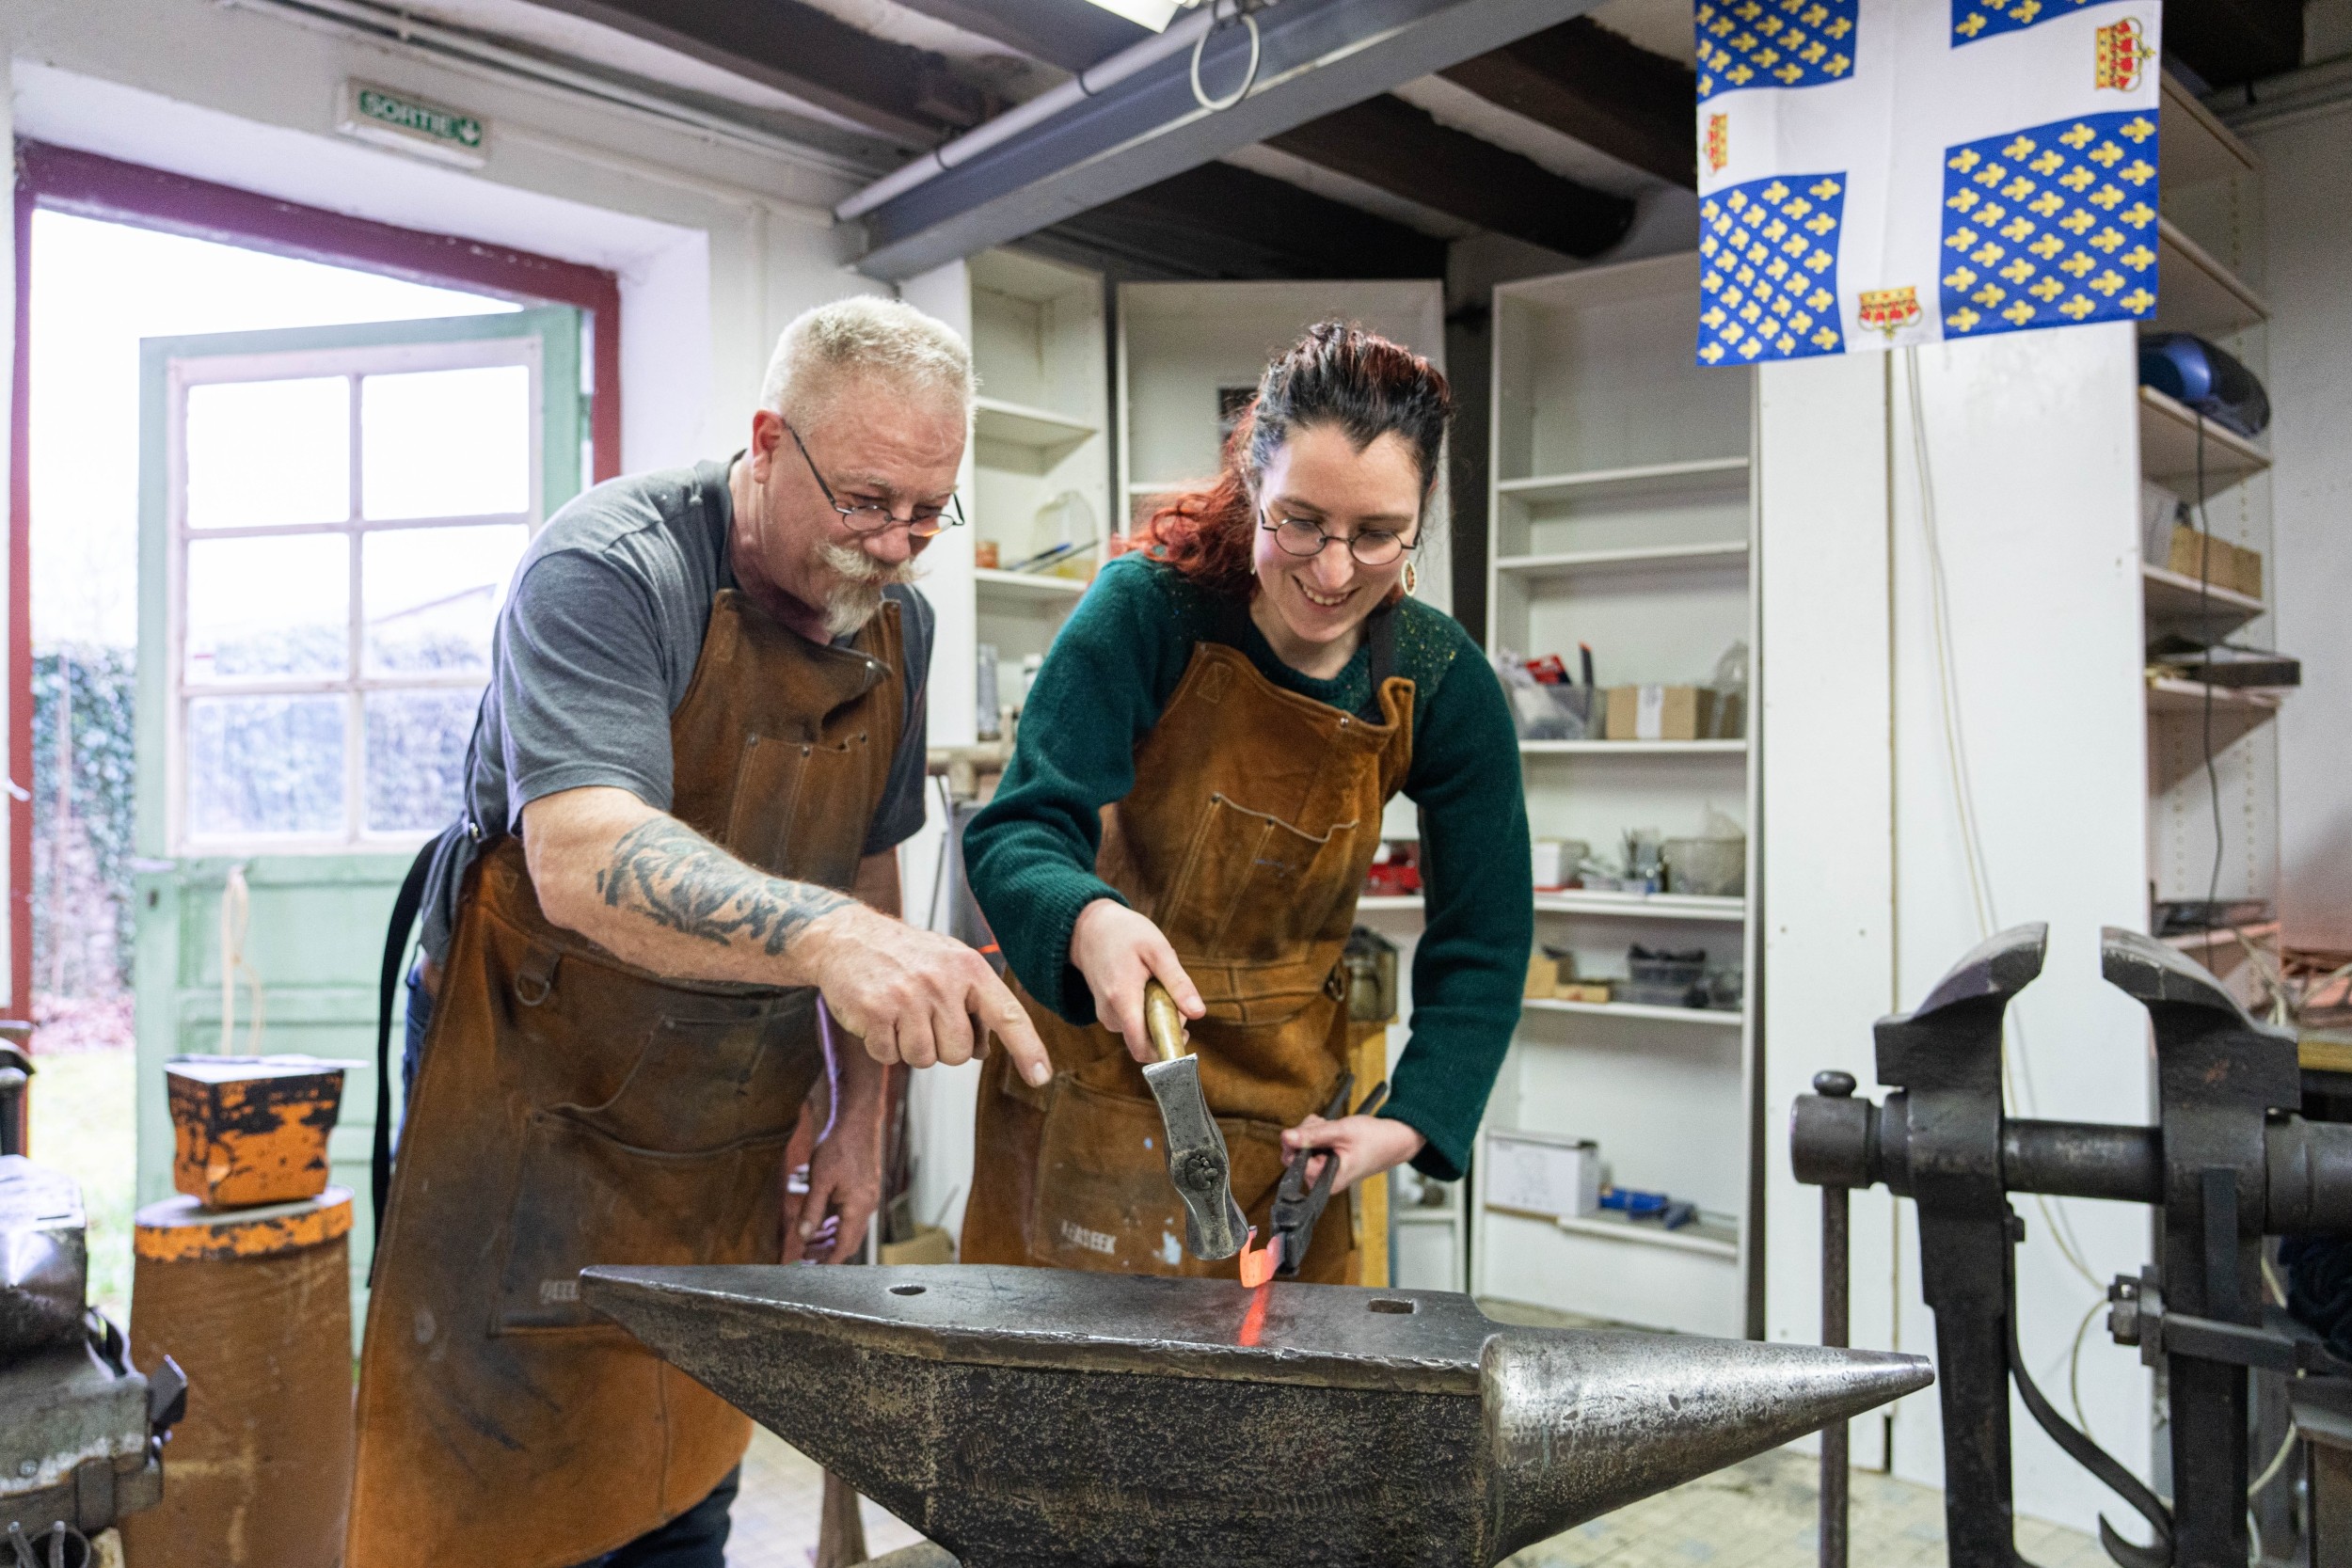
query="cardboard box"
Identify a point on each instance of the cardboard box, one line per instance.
(1661, 713)
(2224, 564)
(1582, 990)
(1542, 1172)
(929, 1245)
(1543, 977)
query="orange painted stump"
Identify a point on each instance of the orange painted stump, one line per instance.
(255, 1305)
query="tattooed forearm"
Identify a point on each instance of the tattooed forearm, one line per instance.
(671, 875)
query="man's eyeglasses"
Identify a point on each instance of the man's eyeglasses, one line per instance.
(1371, 546)
(923, 522)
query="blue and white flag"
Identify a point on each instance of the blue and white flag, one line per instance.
(1879, 172)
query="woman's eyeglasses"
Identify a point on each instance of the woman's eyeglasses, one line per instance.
(1371, 546)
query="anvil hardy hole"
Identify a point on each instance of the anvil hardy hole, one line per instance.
(906, 1289)
(1390, 1304)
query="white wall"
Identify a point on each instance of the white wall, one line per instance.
(716, 247)
(2309, 252)
(2033, 457)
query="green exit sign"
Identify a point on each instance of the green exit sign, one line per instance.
(398, 120)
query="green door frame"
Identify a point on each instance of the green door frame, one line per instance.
(316, 928)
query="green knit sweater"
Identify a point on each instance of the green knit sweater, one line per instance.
(1031, 853)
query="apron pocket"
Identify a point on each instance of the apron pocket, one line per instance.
(1255, 889)
(785, 792)
(1102, 1201)
(583, 1197)
(682, 1164)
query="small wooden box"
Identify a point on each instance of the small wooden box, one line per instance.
(2222, 564)
(248, 1130)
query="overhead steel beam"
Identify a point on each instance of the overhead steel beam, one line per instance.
(1586, 82)
(1386, 142)
(901, 93)
(1219, 222)
(1317, 57)
(1071, 34)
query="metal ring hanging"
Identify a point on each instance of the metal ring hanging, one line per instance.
(1242, 10)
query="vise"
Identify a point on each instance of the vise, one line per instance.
(2229, 1163)
(1027, 1417)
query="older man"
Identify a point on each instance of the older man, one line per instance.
(701, 743)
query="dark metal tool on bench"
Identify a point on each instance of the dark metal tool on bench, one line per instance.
(1197, 1162)
(1026, 1417)
(2229, 1163)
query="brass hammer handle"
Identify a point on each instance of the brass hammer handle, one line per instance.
(1163, 1021)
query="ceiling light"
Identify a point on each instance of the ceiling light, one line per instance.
(1147, 13)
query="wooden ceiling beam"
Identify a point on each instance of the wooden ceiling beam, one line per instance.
(898, 92)
(1584, 81)
(2231, 42)
(1217, 221)
(1386, 142)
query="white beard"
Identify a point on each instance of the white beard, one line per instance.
(859, 581)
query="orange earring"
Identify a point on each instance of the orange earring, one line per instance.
(1411, 578)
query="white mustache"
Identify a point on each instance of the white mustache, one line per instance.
(858, 589)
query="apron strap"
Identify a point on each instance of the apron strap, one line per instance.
(406, 906)
(1380, 651)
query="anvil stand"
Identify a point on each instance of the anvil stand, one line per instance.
(2229, 1163)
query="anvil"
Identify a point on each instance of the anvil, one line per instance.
(1026, 1418)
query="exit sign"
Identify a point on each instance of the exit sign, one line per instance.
(398, 120)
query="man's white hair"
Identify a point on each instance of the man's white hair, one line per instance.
(864, 335)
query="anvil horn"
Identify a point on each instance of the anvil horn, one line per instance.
(1028, 1418)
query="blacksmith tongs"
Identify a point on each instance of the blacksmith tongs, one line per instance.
(1297, 1207)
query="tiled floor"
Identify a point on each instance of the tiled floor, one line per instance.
(776, 1514)
(1759, 1515)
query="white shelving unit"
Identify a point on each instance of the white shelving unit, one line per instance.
(1041, 443)
(2210, 283)
(1622, 517)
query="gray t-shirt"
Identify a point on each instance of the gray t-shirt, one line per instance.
(595, 650)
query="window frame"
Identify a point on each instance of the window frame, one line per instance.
(536, 340)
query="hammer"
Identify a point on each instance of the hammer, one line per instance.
(1197, 1162)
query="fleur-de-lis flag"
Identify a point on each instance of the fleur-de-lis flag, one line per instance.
(1878, 172)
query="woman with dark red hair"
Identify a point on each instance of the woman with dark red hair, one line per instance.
(1195, 795)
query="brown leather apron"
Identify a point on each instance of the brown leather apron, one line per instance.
(572, 1109)
(1254, 815)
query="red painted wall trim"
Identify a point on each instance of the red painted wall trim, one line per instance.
(68, 181)
(20, 737)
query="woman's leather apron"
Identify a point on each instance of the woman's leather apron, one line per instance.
(1254, 815)
(571, 1110)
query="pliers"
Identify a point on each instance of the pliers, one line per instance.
(1297, 1207)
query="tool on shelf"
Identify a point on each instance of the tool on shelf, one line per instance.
(1298, 1206)
(1197, 1162)
(1671, 1213)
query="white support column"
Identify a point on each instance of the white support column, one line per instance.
(1828, 811)
(941, 1100)
(2033, 464)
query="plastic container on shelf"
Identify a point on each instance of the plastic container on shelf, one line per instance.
(1708, 868)
(1663, 980)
